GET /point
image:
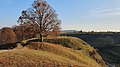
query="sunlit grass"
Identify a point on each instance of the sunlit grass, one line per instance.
(34, 58)
(54, 52)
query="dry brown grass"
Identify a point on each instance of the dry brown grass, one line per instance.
(36, 54)
(75, 55)
(35, 58)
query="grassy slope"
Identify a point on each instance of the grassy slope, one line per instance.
(39, 54)
(33, 58)
(111, 54)
(77, 44)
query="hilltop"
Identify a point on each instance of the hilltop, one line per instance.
(60, 51)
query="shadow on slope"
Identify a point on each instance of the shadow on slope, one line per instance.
(111, 54)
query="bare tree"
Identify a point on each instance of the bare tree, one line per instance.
(41, 15)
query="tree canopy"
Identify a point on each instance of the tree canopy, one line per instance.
(42, 17)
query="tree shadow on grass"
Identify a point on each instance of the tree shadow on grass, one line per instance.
(8, 46)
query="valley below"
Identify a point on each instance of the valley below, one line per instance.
(107, 45)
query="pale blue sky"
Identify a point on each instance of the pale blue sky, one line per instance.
(87, 15)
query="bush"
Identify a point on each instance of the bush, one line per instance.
(7, 36)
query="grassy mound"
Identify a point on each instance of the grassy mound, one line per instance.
(77, 44)
(77, 56)
(70, 42)
(34, 58)
(36, 54)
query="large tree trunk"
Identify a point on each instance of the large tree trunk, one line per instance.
(41, 37)
(40, 33)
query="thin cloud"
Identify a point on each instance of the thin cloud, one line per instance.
(115, 11)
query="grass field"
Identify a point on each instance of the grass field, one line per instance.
(36, 54)
(34, 58)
